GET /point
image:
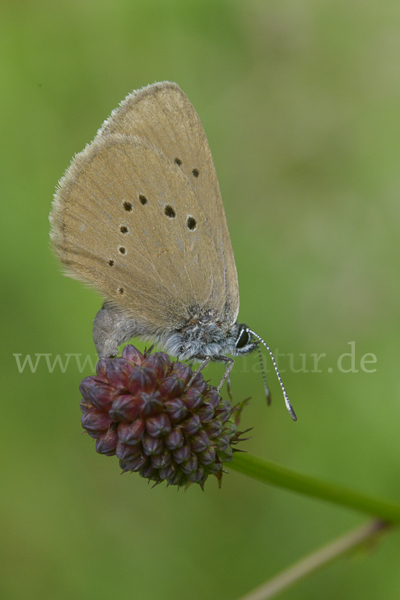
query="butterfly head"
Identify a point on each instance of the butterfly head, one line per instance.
(243, 341)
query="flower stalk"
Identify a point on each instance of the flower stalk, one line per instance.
(278, 475)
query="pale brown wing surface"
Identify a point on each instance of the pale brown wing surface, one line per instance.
(165, 119)
(120, 223)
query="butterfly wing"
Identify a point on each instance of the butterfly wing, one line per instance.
(141, 229)
(162, 115)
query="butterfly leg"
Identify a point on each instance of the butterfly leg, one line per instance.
(205, 362)
(229, 362)
(228, 387)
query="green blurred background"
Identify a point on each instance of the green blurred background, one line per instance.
(301, 104)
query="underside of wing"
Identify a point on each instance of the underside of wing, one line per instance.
(126, 220)
(163, 117)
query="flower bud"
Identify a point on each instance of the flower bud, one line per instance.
(182, 371)
(199, 442)
(160, 362)
(117, 372)
(131, 433)
(107, 442)
(171, 387)
(193, 399)
(124, 408)
(141, 380)
(175, 439)
(98, 393)
(176, 410)
(133, 355)
(158, 426)
(192, 425)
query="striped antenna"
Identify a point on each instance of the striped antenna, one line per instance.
(285, 396)
(266, 388)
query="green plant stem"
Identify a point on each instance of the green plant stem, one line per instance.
(367, 533)
(269, 472)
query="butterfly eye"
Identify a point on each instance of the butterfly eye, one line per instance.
(243, 338)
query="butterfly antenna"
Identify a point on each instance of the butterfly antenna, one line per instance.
(266, 388)
(285, 396)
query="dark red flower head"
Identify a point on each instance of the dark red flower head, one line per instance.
(139, 408)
